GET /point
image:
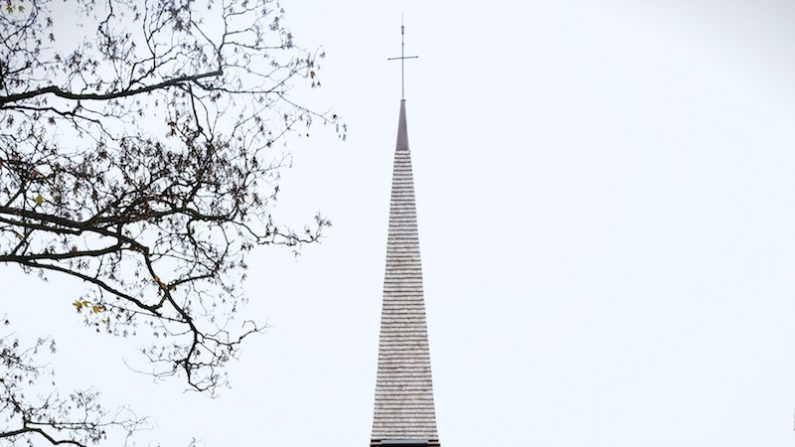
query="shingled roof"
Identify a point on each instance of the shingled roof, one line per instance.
(404, 409)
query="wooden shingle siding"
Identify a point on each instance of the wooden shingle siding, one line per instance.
(404, 408)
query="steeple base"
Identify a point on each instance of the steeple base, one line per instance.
(404, 443)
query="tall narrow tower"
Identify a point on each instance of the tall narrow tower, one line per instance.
(404, 409)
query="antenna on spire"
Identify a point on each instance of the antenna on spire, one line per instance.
(402, 59)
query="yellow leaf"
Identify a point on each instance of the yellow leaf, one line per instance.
(78, 305)
(39, 199)
(96, 308)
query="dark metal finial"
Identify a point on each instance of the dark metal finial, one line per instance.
(402, 58)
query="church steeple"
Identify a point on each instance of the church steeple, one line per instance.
(404, 408)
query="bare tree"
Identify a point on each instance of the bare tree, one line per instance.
(142, 158)
(33, 410)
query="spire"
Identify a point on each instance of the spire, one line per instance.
(404, 409)
(402, 140)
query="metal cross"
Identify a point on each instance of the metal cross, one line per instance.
(402, 58)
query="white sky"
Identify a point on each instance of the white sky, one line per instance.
(606, 205)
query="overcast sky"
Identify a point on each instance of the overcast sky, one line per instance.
(606, 204)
